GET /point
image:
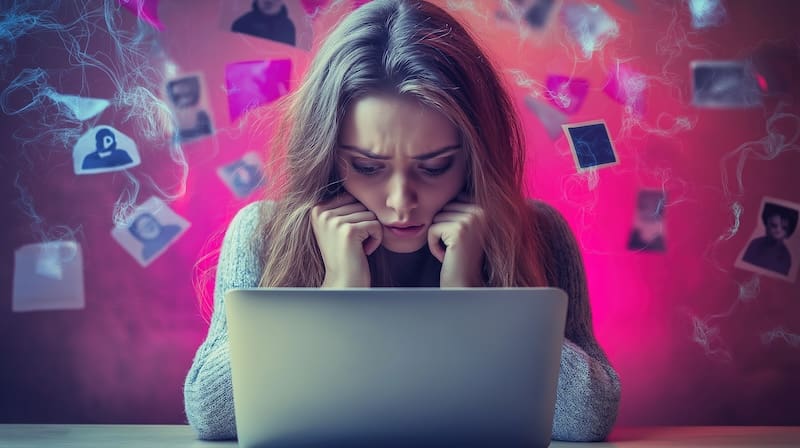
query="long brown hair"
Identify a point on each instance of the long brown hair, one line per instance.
(406, 47)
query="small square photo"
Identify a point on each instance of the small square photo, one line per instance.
(647, 234)
(774, 246)
(591, 145)
(48, 276)
(724, 85)
(243, 176)
(151, 229)
(186, 97)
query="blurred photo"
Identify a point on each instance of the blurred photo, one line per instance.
(773, 248)
(286, 22)
(186, 99)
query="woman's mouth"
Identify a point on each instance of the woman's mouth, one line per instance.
(407, 232)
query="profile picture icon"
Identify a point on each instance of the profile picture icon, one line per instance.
(243, 176)
(774, 248)
(103, 149)
(152, 234)
(150, 230)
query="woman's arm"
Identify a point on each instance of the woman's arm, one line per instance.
(208, 392)
(588, 393)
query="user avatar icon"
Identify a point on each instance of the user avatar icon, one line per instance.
(103, 149)
(152, 234)
(243, 176)
(106, 153)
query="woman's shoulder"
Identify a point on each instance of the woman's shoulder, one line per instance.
(547, 215)
(251, 213)
(246, 223)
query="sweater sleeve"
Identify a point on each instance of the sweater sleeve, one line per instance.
(588, 394)
(208, 391)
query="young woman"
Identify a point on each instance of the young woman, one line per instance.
(402, 121)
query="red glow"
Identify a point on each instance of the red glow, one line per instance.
(762, 82)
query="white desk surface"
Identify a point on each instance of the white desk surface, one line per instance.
(129, 436)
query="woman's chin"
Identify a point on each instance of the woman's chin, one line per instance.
(405, 247)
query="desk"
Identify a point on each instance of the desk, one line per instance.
(167, 436)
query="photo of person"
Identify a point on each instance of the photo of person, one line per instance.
(648, 229)
(152, 234)
(152, 228)
(186, 97)
(267, 19)
(244, 175)
(774, 248)
(286, 22)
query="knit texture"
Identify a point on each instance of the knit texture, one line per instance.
(588, 392)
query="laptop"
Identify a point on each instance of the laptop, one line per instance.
(392, 367)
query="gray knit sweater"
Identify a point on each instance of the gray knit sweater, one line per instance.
(588, 387)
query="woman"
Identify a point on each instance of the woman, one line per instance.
(402, 121)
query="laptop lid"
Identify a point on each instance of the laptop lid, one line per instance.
(395, 366)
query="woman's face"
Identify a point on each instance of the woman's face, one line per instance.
(777, 227)
(403, 161)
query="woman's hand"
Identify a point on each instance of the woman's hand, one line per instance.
(346, 232)
(462, 226)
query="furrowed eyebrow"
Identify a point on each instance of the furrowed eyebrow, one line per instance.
(427, 156)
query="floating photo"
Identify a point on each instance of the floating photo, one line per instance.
(589, 25)
(81, 108)
(591, 145)
(551, 118)
(253, 84)
(627, 86)
(774, 246)
(151, 229)
(648, 225)
(567, 93)
(103, 149)
(706, 13)
(282, 21)
(724, 84)
(243, 176)
(186, 97)
(535, 13)
(48, 276)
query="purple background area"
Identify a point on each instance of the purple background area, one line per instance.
(124, 357)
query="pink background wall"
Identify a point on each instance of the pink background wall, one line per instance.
(688, 349)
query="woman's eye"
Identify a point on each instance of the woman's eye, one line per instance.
(366, 170)
(372, 170)
(436, 171)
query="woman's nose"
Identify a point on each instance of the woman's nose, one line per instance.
(402, 195)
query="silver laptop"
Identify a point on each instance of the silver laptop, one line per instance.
(387, 367)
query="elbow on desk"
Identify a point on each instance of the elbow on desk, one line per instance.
(209, 407)
(587, 401)
(206, 418)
